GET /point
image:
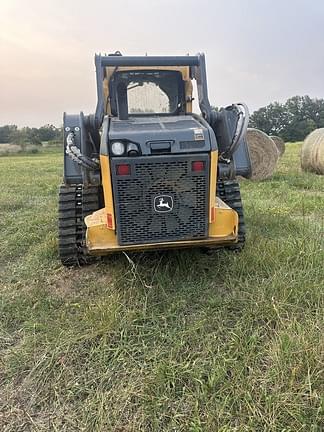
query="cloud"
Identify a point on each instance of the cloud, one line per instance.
(257, 51)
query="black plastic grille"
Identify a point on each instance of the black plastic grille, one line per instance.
(154, 176)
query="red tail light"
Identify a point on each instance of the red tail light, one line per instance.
(198, 166)
(123, 169)
(109, 220)
(212, 214)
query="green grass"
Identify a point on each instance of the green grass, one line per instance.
(174, 341)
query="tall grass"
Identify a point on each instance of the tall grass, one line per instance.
(173, 341)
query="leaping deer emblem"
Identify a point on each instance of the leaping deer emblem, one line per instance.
(163, 204)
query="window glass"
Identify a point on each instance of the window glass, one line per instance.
(150, 92)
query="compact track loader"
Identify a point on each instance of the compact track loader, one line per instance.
(145, 172)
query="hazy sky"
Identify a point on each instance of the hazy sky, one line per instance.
(257, 51)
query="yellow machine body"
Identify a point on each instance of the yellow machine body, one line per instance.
(146, 172)
(101, 239)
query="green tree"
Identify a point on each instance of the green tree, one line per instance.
(49, 132)
(19, 137)
(271, 119)
(6, 133)
(305, 115)
(293, 120)
(32, 135)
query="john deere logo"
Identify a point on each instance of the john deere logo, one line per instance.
(163, 203)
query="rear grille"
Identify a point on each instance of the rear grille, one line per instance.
(182, 214)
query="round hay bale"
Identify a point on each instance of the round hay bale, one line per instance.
(312, 152)
(280, 143)
(263, 154)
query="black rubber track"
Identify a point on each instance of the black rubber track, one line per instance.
(229, 192)
(75, 203)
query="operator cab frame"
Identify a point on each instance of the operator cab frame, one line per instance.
(190, 67)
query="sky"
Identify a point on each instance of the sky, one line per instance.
(257, 51)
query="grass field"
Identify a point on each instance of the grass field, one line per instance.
(174, 341)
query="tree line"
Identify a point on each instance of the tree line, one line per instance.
(292, 121)
(26, 135)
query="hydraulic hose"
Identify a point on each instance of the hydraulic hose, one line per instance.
(75, 154)
(241, 128)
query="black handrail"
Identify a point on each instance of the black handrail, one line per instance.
(118, 60)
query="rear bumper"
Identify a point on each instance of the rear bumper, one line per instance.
(101, 240)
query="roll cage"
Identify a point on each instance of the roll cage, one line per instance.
(196, 64)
